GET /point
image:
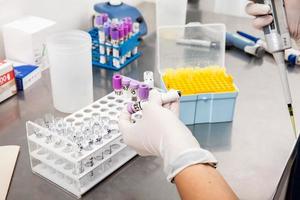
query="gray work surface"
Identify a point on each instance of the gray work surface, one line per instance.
(252, 151)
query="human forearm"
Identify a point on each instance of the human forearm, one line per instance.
(202, 181)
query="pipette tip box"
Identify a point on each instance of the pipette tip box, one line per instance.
(204, 107)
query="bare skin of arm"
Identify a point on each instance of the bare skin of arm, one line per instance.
(203, 182)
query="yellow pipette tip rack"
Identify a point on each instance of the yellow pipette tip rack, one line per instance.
(196, 80)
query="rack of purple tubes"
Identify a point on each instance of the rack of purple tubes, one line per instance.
(114, 42)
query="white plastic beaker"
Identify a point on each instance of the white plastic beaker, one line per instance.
(71, 74)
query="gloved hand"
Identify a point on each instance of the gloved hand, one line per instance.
(261, 11)
(161, 133)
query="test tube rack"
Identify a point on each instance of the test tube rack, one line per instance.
(124, 49)
(60, 166)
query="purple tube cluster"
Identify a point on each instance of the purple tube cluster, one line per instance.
(115, 30)
(112, 34)
(136, 88)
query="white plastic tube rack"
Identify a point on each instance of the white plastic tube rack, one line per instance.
(77, 172)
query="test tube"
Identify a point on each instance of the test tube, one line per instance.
(121, 33)
(117, 84)
(149, 79)
(101, 45)
(136, 29)
(133, 87)
(125, 85)
(143, 92)
(106, 28)
(129, 23)
(168, 97)
(125, 25)
(115, 43)
(97, 20)
(121, 41)
(105, 17)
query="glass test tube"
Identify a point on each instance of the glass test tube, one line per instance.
(125, 86)
(149, 78)
(101, 45)
(133, 87)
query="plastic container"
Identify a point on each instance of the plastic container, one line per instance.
(71, 70)
(196, 45)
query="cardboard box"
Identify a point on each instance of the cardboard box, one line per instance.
(7, 81)
(26, 75)
(24, 39)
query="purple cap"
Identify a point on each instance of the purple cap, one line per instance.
(99, 19)
(114, 34)
(125, 82)
(124, 20)
(106, 28)
(143, 92)
(134, 85)
(130, 108)
(117, 82)
(121, 31)
(105, 17)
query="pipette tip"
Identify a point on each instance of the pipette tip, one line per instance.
(291, 112)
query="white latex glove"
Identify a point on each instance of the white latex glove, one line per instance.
(261, 11)
(161, 133)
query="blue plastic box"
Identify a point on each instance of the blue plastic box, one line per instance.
(207, 108)
(204, 107)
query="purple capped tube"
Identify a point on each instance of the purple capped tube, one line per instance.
(114, 34)
(125, 25)
(121, 33)
(125, 83)
(105, 17)
(143, 92)
(117, 84)
(106, 28)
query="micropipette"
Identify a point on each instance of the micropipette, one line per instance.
(292, 56)
(278, 39)
(245, 44)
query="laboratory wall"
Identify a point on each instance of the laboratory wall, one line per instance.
(69, 14)
(76, 14)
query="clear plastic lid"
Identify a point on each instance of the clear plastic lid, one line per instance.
(192, 45)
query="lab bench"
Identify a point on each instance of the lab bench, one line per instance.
(252, 150)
